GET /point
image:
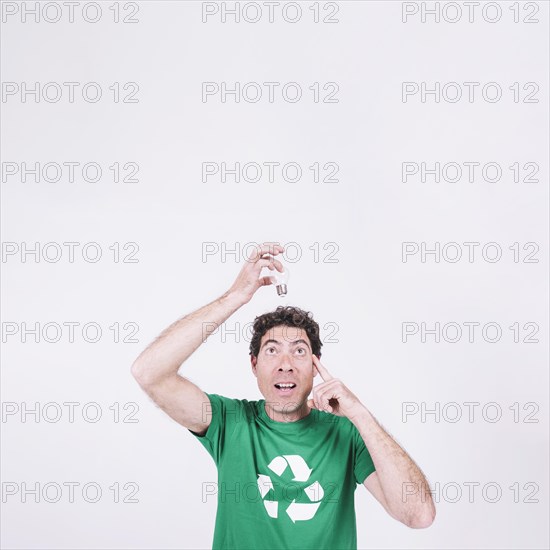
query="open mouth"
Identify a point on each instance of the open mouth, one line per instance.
(285, 388)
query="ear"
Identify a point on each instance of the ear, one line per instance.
(253, 361)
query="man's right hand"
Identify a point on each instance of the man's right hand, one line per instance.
(156, 369)
(249, 280)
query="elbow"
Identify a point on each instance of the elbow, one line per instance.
(422, 521)
(146, 376)
(135, 370)
(139, 373)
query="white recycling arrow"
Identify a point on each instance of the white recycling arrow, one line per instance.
(297, 464)
(301, 471)
(299, 467)
(264, 484)
(278, 465)
(272, 507)
(302, 510)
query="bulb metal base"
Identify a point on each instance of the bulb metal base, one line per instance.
(281, 290)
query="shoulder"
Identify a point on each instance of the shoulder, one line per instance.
(340, 427)
(228, 406)
(340, 423)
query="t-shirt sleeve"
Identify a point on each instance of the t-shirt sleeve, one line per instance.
(225, 411)
(363, 464)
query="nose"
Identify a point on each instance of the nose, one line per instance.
(285, 363)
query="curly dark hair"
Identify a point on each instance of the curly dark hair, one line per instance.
(288, 316)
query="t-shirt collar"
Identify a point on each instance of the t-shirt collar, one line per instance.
(285, 426)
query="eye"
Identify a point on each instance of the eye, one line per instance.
(271, 348)
(301, 349)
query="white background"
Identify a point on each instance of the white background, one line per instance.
(367, 293)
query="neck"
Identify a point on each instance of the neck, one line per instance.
(287, 415)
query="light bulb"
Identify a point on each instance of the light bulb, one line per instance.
(279, 279)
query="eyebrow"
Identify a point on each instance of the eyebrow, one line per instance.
(295, 343)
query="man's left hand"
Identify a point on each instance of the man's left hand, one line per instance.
(332, 395)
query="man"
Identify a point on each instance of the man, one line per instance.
(288, 466)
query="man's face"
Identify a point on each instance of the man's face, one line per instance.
(285, 357)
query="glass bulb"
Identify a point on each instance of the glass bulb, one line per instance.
(279, 279)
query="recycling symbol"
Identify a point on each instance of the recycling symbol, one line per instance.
(301, 471)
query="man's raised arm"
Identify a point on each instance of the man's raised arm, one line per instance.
(156, 368)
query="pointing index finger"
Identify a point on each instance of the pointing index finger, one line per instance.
(325, 374)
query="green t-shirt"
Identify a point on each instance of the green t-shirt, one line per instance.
(283, 485)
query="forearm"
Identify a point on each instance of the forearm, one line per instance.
(165, 355)
(405, 488)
